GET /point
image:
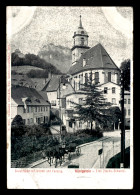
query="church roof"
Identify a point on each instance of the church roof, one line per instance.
(96, 58)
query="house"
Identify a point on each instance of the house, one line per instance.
(40, 83)
(57, 89)
(92, 64)
(30, 105)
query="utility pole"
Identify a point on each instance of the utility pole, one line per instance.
(60, 105)
(122, 123)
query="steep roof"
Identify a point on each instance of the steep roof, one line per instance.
(40, 83)
(19, 92)
(53, 84)
(96, 58)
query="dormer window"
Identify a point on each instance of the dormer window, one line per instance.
(37, 100)
(84, 62)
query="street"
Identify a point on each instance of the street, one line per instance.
(89, 157)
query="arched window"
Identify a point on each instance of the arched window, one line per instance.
(82, 41)
(109, 76)
(96, 77)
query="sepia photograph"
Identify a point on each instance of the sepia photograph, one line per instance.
(69, 96)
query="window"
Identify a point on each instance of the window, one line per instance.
(129, 112)
(74, 84)
(70, 124)
(90, 76)
(36, 109)
(125, 101)
(116, 78)
(82, 32)
(32, 109)
(41, 109)
(109, 76)
(46, 108)
(24, 110)
(88, 124)
(128, 101)
(96, 77)
(82, 41)
(105, 90)
(84, 62)
(113, 100)
(31, 120)
(79, 82)
(86, 77)
(28, 109)
(113, 90)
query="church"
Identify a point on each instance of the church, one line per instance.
(89, 62)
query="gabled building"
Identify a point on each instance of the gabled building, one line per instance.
(56, 90)
(30, 105)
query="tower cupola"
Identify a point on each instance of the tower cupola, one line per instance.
(80, 42)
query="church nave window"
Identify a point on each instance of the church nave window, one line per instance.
(109, 76)
(96, 77)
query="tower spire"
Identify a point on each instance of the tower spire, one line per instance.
(80, 25)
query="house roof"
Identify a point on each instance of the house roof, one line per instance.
(53, 84)
(96, 58)
(19, 92)
(44, 95)
(40, 82)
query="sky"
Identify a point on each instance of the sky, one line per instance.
(33, 27)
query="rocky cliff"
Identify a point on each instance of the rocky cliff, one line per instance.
(59, 56)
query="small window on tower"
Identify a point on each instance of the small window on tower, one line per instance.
(82, 32)
(82, 41)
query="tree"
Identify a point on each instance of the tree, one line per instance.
(17, 128)
(125, 66)
(94, 108)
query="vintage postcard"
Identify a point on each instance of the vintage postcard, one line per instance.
(69, 97)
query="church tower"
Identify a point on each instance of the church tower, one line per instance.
(80, 43)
